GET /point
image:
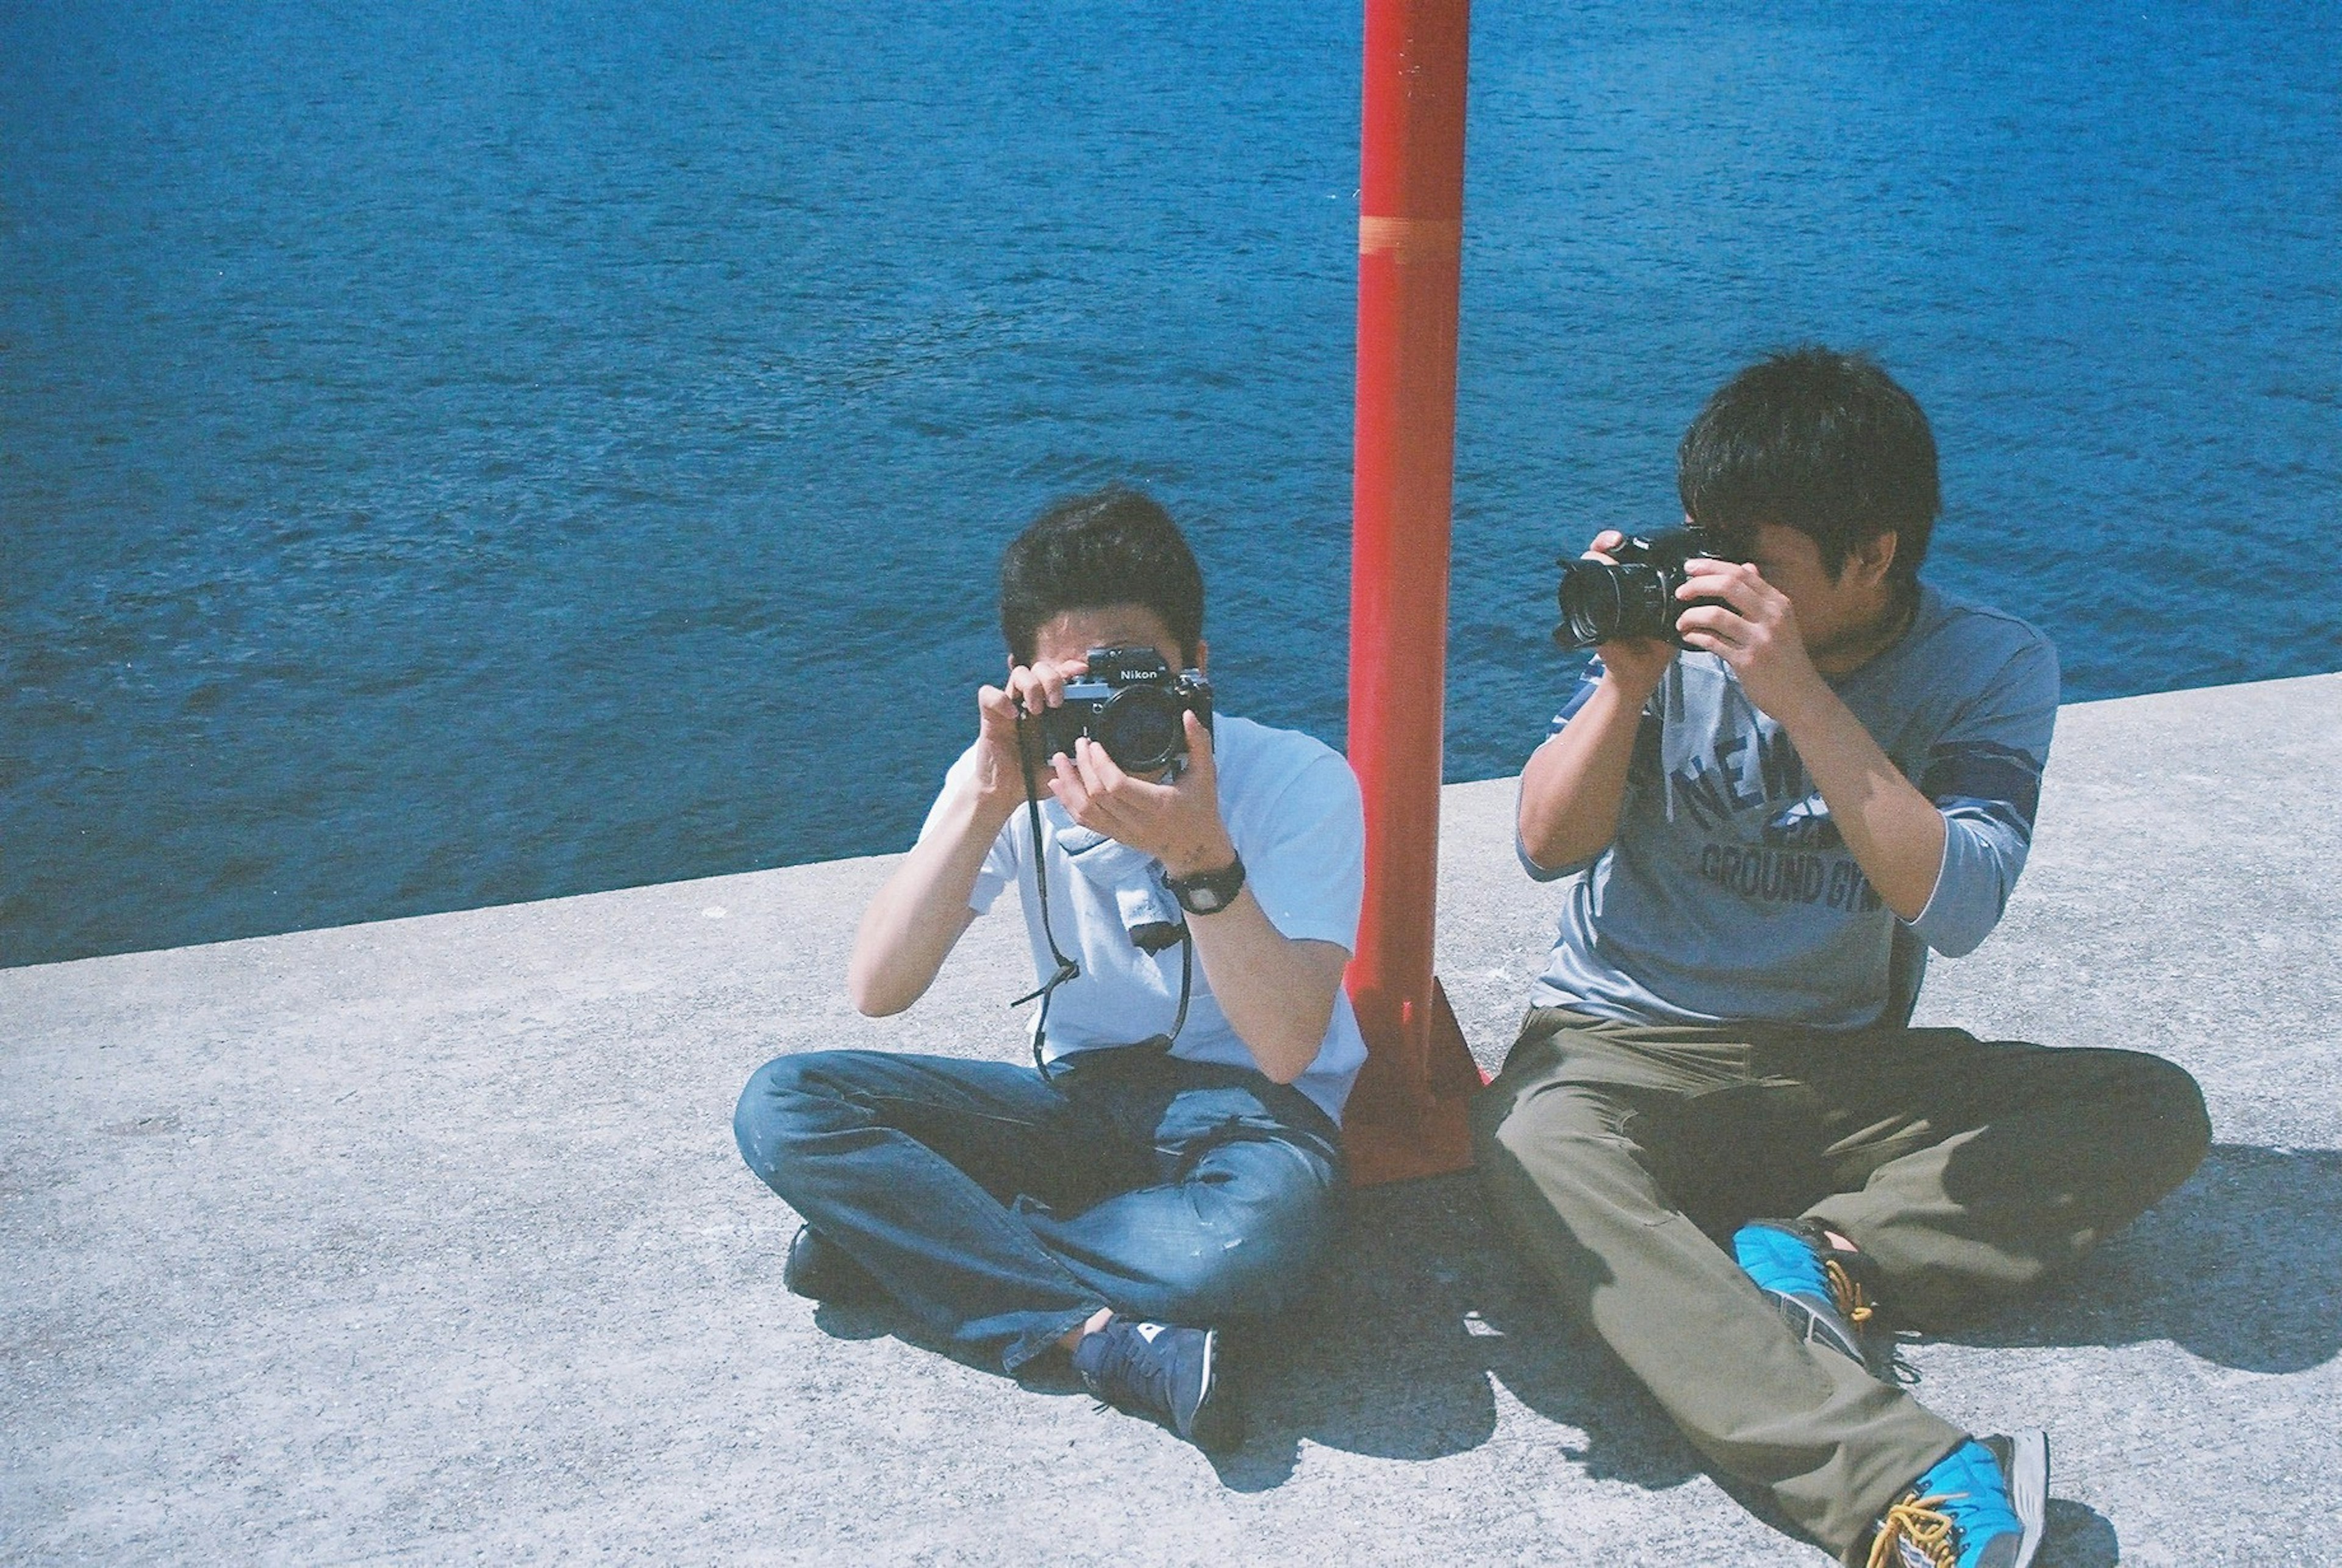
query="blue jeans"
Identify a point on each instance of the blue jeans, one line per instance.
(1002, 1208)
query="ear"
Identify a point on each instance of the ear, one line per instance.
(1871, 560)
(1203, 655)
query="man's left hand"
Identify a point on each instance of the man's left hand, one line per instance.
(1178, 822)
(1754, 629)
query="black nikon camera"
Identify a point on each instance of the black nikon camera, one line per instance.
(1601, 603)
(1131, 704)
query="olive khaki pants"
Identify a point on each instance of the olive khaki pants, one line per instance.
(1615, 1155)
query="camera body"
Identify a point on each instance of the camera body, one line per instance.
(1603, 603)
(1132, 704)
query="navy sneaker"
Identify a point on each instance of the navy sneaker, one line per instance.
(820, 1270)
(1165, 1374)
(1981, 1506)
(1827, 1294)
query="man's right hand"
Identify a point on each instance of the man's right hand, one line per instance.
(1634, 665)
(912, 925)
(999, 775)
(1574, 785)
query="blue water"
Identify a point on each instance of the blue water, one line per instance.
(459, 453)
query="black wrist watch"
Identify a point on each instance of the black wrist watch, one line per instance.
(1208, 891)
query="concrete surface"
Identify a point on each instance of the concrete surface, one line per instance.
(426, 1241)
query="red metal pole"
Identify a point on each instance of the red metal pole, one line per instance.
(1406, 1118)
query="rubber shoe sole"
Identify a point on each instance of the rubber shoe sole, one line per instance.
(1218, 1424)
(2024, 1462)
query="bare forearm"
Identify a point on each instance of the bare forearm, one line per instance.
(1895, 832)
(1573, 784)
(919, 915)
(1277, 993)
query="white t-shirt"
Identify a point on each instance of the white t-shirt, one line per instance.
(1291, 805)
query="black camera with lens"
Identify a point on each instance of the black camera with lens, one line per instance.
(1635, 597)
(1131, 704)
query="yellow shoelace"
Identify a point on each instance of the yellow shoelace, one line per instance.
(1920, 1522)
(1846, 1293)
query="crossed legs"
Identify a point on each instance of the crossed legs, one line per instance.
(1965, 1168)
(1004, 1210)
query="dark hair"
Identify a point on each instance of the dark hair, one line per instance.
(1111, 546)
(1821, 442)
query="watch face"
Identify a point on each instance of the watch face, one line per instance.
(1211, 893)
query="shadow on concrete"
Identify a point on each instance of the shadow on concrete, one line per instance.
(1401, 1352)
(2241, 1266)
(1426, 1319)
(2079, 1536)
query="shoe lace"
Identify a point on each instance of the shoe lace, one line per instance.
(1924, 1524)
(1852, 1300)
(1855, 1304)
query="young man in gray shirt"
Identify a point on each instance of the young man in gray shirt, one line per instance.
(1718, 1135)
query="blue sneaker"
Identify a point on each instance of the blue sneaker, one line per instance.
(1981, 1506)
(1165, 1374)
(1824, 1292)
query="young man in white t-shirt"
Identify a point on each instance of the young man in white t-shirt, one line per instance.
(1169, 1161)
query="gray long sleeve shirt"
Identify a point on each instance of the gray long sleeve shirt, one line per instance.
(1728, 894)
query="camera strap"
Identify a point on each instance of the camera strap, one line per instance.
(1066, 968)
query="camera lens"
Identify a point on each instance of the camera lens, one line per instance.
(1140, 729)
(1601, 603)
(1590, 604)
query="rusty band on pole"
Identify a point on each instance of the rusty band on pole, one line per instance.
(1411, 240)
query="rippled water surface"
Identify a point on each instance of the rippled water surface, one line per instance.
(454, 455)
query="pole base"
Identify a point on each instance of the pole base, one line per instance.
(1390, 1139)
